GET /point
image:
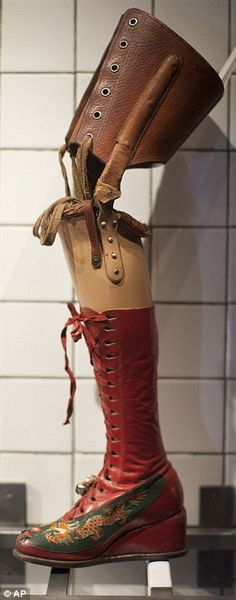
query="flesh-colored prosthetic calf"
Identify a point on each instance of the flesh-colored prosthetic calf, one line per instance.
(94, 289)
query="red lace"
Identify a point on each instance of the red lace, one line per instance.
(78, 320)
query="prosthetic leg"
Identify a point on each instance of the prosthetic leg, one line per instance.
(133, 509)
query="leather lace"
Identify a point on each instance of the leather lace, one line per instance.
(47, 224)
(77, 320)
(79, 205)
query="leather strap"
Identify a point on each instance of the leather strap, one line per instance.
(96, 255)
(108, 224)
(108, 185)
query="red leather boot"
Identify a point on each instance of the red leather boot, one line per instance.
(134, 508)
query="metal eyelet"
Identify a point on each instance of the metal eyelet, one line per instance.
(133, 22)
(105, 91)
(123, 44)
(88, 134)
(97, 114)
(114, 67)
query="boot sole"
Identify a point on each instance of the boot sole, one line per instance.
(67, 564)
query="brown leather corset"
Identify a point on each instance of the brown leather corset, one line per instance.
(137, 49)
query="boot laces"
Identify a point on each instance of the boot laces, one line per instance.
(78, 321)
(105, 385)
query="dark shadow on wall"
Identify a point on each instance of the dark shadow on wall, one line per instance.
(192, 194)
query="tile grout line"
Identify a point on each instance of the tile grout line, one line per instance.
(8, 377)
(192, 453)
(0, 153)
(206, 150)
(153, 8)
(224, 421)
(150, 255)
(74, 72)
(20, 301)
(153, 227)
(73, 440)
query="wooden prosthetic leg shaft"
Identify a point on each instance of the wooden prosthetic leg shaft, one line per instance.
(93, 288)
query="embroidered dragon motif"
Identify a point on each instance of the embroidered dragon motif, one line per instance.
(62, 532)
(90, 529)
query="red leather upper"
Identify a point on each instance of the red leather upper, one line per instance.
(124, 353)
(125, 363)
(123, 349)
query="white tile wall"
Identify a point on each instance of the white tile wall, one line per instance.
(35, 410)
(82, 81)
(232, 189)
(191, 191)
(85, 465)
(30, 334)
(231, 341)
(232, 109)
(30, 112)
(188, 201)
(194, 472)
(20, 52)
(136, 194)
(89, 437)
(83, 368)
(233, 25)
(90, 18)
(203, 24)
(191, 340)
(231, 417)
(232, 272)
(198, 256)
(48, 481)
(194, 407)
(212, 132)
(30, 181)
(22, 255)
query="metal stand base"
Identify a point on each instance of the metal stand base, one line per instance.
(159, 583)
